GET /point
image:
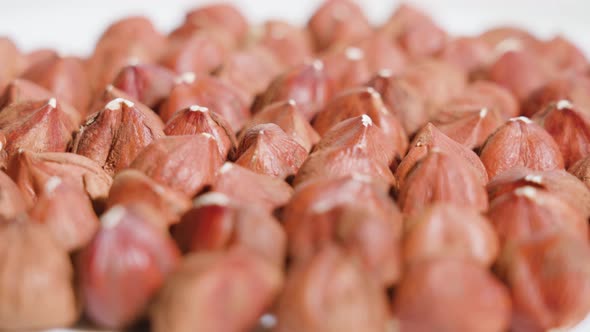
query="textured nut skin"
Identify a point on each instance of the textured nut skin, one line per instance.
(444, 231)
(199, 54)
(221, 16)
(12, 203)
(39, 55)
(208, 92)
(290, 44)
(470, 128)
(149, 84)
(216, 292)
(331, 293)
(184, 163)
(441, 177)
(573, 88)
(468, 53)
(20, 90)
(484, 94)
(114, 136)
(346, 68)
(123, 267)
(563, 54)
(383, 55)
(37, 275)
(216, 223)
(267, 149)
(131, 187)
(549, 280)
(435, 295)
(67, 211)
(570, 128)
(195, 120)
(581, 170)
(526, 212)
(520, 142)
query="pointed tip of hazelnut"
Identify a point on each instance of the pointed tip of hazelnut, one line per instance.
(226, 167)
(483, 112)
(317, 64)
(52, 102)
(268, 321)
(507, 45)
(113, 216)
(133, 61)
(366, 120)
(564, 104)
(292, 102)
(198, 108)
(534, 178)
(208, 136)
(185, 78)
(52, 184)
(526, 191)
(213, 198)
(385, 73)
(116, 103)
(109, 88)
(354, 53)
(521, 119)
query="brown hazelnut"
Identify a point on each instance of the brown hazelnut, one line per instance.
(222, 16)
(12, 203)
(149, 84)
(331, 293)
(442, 177)
(252, 189)
(570, 128)
(12, 61)
(549, 279)
(506, 38)
(216, 223)
(581, 170)
(520, 142)
(123, 267)
(573, 88)
(289, 44)
(216, 291)
(199, 54)
(20, 90)
(338, 22)
(469, 127)
(39, 55)
(484, 94)
(131, 187)
(382, 55)
(450, 231)
(267, 149)
(563, 54)
(286, 114)
(115, 135)
(346, 68)
(429, 138)
(36, 279)
(451, 295)
(468, 53)
(184, 163)
(208, 92)
(527, 211)
(195, 120)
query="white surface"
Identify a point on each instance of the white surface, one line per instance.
(72, 26)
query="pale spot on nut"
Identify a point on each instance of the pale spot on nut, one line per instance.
(1, 145)
(317, 65)
(527, 191)
(261, 132)
(226, 168)
(197, 108)
(340, 12)
(361, 177)
(185, 78)
(483, 112)
(354, 53)
(208, 136)
(52, 184)
(385, 72)
(52, 102)
(20, 150)
(109, 88)
(291, 102)
(366, 120)
(435, 150)
(113, 216)
(564, 104)
(522, 119)
(212, 198)
(507, 45)
(116, 104)
(534, 178)
(133, 61)
(268, 321)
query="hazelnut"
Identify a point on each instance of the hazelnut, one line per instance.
(450, 231)
(208, 92)
(39, 55)
(581, 169)
(216, 223)
(267, 149)
(563, 54)
(131, 187)
(527, 211)
(12, 203)
(291, 45)
(286, 115)
(12, 61)
(451, 295)
(184, 163)
(508, 38)
(549, 279)
(569, 127)
(468, 53)
(221, 16)
(520, 142)
(346, 68)
(149, 84)
(250, 188)
(115, 135)
(123, 267)
(200, 54)
(441, 177)
(331, 293)
(216, 292)
(484, 94)
(472, 127)
(382, 55)
(36, 279)
(19, 91)
(338, 22)
(573, 88)
(197, 119)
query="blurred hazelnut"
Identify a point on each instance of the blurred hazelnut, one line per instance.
(563, 54)
(468, 53)
(581, 169)
(484, 94)
(149, 84)
(573, 88)
(509, 38)
(19, 91)
(289, 44)
(199, 54)
(346, 68)
(39, 55)
(12, 203)
(382, 55)
(469, 127)
(12, 61)
(222, 16)
(520, 142)
(123, 267)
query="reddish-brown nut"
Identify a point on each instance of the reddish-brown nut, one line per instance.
(216, 291)
(38, 56)
(306, 84)
(114, 136)
(354, 146)
(382, 55)
(355, 103)
(506, 38)
(12, 202)
(65, 77)
(36, 279)
(149, 84)
(450, 231)
(19, 91)
(574, 88)
(252, 189)
(557, 182)
(67, 212)
(286, 115)
(549, 279)
(520, 142)
(570, 128)
(222, 16)
(451, 295)
(290, 44)
(199, 54)
(216, 223)
(331, 293)
(581, 170)
(208, 92)
(429, 138)
(12, 62)
(338, 22)
(563, 54)
(527, 211)
(185, 163)
(195, 120)
(131, 187)
(108, 94)
(346, 68)
(123, 267)
(469, 127)
(441, 177)
(484, 94)
(267, 149)
(468, 53)
(30, 172)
